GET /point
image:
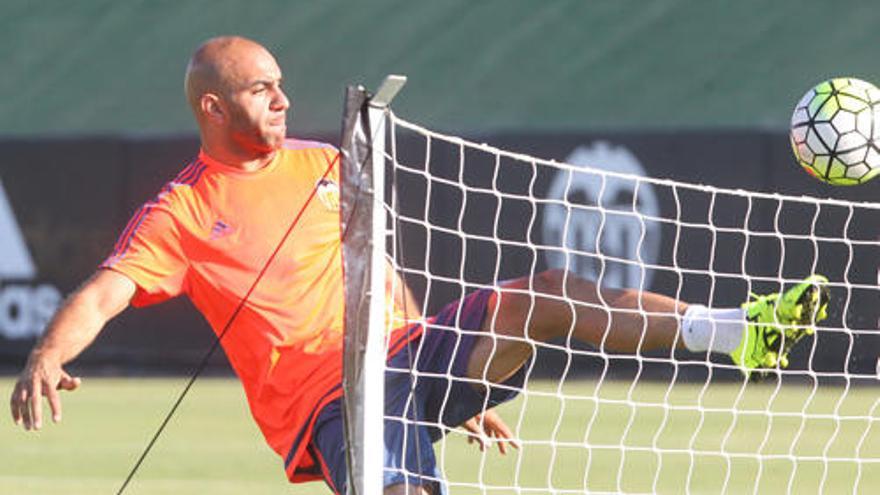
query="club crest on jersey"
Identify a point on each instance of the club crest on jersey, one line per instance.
(328, 193)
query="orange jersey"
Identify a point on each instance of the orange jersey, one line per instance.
(209, 233)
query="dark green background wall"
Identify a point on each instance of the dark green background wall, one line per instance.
(116, 66)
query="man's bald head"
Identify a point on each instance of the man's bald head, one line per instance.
(233, 85)
(217, 67)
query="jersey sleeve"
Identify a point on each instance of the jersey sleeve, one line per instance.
(149, 252)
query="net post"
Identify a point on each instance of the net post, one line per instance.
(364, 227)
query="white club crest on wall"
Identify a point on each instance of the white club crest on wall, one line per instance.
(601, 219)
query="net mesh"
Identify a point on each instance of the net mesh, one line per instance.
(464, 216)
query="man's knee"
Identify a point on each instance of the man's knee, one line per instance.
(560, 298)
(561, 283)
(550, 282)
(538, 307)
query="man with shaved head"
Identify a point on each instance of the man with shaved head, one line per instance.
(221, 225)
(208, 234)
(234, 88)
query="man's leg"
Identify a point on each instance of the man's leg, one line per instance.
(558, 304)
(401, 477)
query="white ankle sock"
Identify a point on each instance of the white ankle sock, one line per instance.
(713, 330)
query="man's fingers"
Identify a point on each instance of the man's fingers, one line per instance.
(504, 435)
(474, 435)
(69, 383)
(483, 440)
(495, 436)
(509, 440)
(14, 405)
(502, 430)
(505, 431)
(24, 408)
(54, 403)
(36, 403)
(489, 428)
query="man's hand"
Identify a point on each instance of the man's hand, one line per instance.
(71, 330)
(41, 377)
(489, 427)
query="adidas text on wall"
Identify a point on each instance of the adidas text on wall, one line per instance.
(25, 306)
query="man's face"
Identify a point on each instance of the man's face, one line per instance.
(256, 104)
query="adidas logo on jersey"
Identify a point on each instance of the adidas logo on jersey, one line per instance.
(220, 229)
(25, 308)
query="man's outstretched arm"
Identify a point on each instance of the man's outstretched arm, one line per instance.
(71, 330)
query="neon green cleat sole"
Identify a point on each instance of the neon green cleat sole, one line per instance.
(776, 323)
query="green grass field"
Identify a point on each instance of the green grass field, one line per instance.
(671, 444)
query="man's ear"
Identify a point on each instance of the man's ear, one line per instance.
(211, 107)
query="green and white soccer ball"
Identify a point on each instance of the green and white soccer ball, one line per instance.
(835, 131)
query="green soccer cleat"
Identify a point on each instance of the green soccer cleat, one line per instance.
(775, 323)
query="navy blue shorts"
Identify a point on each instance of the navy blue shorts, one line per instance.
(437, 399)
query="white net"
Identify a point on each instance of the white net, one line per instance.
(465, 216)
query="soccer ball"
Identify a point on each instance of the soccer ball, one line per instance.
(835, 131)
